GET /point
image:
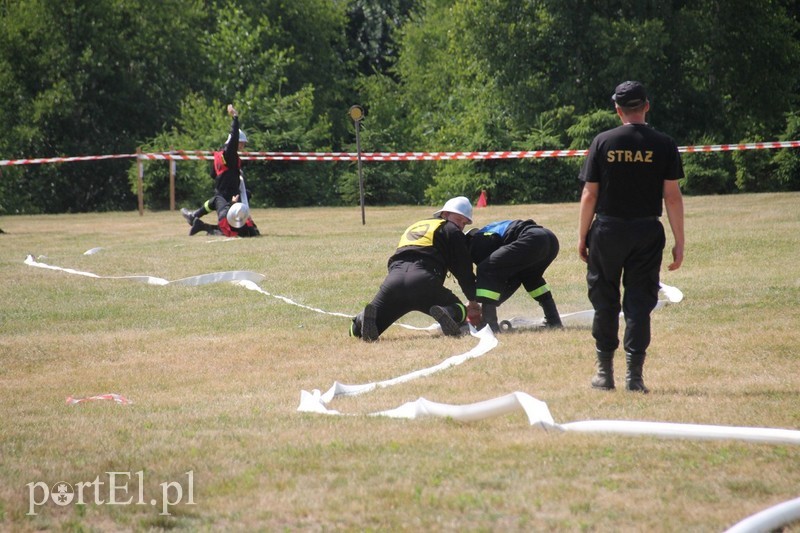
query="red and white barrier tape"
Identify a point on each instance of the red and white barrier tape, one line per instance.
(39, 161)
(372, 156)
(183, 155)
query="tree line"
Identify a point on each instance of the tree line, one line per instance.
(110, 77)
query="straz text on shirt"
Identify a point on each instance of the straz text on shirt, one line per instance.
(629, 156)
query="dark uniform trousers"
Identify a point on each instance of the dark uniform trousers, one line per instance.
(630, 251)
(220, 203)
(410, 286)
(522, 262)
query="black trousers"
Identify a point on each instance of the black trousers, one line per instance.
(221, 204)
(410, 286)
(522, 262)
(629, 251)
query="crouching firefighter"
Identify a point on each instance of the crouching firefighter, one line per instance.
(427, 251)
(510, 253)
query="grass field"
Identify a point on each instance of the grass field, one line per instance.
(215, 373)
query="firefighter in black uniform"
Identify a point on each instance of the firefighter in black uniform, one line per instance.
(510, 253)
(427, 250)
(627, 173)
(225, 172)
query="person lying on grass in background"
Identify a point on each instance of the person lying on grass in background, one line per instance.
(235, 222)
(228, 188)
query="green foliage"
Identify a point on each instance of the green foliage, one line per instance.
(767, 170)
(787, 161)
(15, 197)
(708, 173)
(108, 77)
(754, 169)
(283, 124)
(243, 54)
(587, 126)
(202, 126)
(288, 123)
(255, 79)
(400, 183)
(508, 182)
(385, 128)
(371, 26)
(459, 178)
(733, 79)
(104, 74)
(312, 34)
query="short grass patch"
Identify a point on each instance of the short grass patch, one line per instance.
(215, 374)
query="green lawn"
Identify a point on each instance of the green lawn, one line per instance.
(215, 373)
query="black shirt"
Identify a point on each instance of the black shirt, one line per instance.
(447, 251)
(631, 162)
(225, 169)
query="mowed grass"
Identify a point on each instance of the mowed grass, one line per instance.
(215, 374)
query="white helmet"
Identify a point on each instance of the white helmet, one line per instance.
(242, 137)
(238, 215)
(460, 205)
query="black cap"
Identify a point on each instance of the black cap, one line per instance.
(629, 94)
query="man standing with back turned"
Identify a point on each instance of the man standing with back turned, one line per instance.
(628, 171)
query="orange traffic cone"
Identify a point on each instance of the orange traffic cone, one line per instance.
(481, 200)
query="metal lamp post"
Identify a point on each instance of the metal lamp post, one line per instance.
(357, 113)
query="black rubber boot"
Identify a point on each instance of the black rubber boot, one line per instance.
(198, 226)
(449, 317)
(188, 215)
(489, 316)
(633, 379)
(551, 317)
(604, 379)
